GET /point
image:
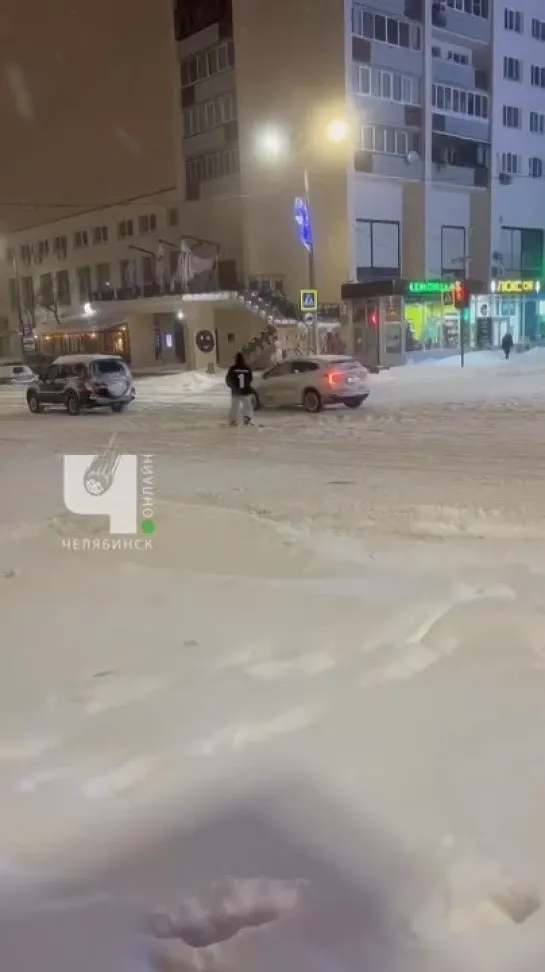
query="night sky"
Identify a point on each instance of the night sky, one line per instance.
(87, 104)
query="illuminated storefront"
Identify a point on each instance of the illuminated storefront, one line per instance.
(390, 320)
(514, 306)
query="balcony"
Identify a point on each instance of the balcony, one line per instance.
(460, 161)
(475, 29)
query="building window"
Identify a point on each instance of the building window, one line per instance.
(103, 276)
(457, 55)
(537, 122)
(513, 20)
(81, 239)
(477, 8)
(28, 296)
(26, 254)
(63, 288)
(125, 228)
(538, 29)
(453, 249)
(209, 114)
(512, 69)
(60, 247)
(41, 250)
(389, 141)
(206, 64)
(212, 165)
(388, 85)
(512, 117)
(13, 294)
(511, 163)
(148, 270)
(457, 101)
(388, 30)
(47, 293)
(100, 234)
(378, 246)
(84, 284)
(537, 76)
(535, 168)
(173, 217)
(147, 223)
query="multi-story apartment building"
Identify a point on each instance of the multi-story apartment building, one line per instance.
(445, 99)
(444, 107)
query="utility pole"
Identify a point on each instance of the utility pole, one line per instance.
(311, 261)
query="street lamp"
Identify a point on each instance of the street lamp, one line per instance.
(273, 142)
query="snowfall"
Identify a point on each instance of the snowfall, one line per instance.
(305, 731)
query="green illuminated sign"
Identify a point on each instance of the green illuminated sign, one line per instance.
(431, 287)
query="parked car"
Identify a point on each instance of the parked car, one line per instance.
(15, 373)
(83, 381)
(313, 381)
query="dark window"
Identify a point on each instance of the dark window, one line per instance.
(392, 32)
(300, 367)
(404, 35)
(380, 27)
(63, 288)
(84, 284)
(107, 366)
(367, 25)
(279, 370)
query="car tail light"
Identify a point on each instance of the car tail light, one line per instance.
(333, 377)
(90, 386)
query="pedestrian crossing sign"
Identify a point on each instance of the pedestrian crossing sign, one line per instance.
(309, 300)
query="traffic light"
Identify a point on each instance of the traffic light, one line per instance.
(461, 295)
(462, 299)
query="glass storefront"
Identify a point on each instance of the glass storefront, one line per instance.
(393, 321)
(515, 307)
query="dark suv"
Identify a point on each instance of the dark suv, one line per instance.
(83, 381)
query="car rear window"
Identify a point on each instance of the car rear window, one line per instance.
(349, 364)
(109, 366)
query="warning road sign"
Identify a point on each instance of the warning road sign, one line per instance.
(309, 300)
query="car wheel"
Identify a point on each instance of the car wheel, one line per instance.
(312, 401)
(256, 404)
(354, 402)
(33, 403)
(73, 406)
(119, 407)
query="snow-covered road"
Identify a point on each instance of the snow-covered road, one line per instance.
(328, 673)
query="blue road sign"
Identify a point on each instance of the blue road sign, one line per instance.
(301, 215)
(309, 301)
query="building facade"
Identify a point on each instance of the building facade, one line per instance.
(440, 175)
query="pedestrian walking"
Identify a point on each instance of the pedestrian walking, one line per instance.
(507, 345)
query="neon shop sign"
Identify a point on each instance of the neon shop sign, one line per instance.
(424, 287)
(515, 286)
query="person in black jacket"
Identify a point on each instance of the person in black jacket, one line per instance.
(507, 344)
(239, 380)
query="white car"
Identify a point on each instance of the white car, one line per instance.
(16, 373)
(312, 381)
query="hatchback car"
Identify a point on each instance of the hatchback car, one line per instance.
(79, 382)
(313, 382)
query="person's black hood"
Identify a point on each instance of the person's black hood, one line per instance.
(239, 360)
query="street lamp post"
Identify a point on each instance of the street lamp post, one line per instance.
(274, 143)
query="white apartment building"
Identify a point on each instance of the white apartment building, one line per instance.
(517, 197)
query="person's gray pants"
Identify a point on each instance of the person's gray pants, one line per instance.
(240, 403)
